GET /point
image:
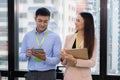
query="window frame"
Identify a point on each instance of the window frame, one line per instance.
(12, 72)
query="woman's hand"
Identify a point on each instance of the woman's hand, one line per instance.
(62, 53)
(66, 56)
(69, 57)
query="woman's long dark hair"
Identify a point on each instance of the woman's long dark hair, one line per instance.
(89, 32)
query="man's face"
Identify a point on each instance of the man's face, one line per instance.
(42, 22)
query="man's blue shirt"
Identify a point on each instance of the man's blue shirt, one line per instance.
(51, 46)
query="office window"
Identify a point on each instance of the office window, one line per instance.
(3, 5)
(39, 1)
(113, 39)
(63, 24)
(3, 14)
(3, 35)
(3, 1)
(53, 1)
(23, 1)
(3, 17)
(23, 15)
(4, 78)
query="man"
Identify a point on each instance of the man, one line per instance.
(41, 65)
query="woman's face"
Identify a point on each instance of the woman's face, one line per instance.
(79, 24)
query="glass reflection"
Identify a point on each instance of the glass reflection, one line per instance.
(3, 35)
(63, 13)
(113, 39)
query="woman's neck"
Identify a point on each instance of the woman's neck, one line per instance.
(80, 33)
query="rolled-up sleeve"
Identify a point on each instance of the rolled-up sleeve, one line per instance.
(23, 51)
(55, 58)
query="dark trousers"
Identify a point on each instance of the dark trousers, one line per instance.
(41, 75)
(0, 77)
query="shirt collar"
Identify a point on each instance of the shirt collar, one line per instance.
(42, 32)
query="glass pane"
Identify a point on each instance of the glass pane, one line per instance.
(63, 14)
(3, 35)
(4, 78)
(23, 1)
(21, 78)
(113, 39)
(3, 1)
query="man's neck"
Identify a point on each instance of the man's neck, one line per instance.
(39, 31)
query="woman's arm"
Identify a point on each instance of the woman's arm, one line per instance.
(88, 63)
(62, 59)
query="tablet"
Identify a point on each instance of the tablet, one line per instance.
(38, 50)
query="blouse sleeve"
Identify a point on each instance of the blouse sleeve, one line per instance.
(63, 61)
(88, 63)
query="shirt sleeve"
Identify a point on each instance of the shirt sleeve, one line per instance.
(23, 50)
(55, 59)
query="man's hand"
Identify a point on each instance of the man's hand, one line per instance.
(39, 55)
(29, 53)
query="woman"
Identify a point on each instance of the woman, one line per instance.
(83, 38)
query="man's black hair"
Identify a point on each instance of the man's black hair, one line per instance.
(42, 12)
